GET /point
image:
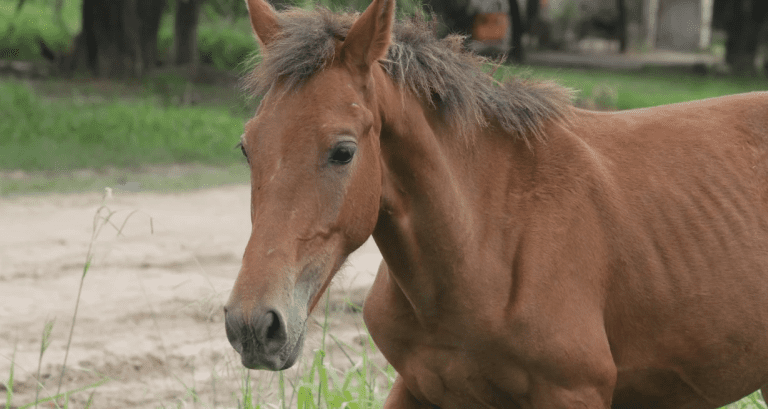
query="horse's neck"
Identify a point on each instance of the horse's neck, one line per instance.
(442, 203)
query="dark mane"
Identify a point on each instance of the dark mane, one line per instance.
(439, 71)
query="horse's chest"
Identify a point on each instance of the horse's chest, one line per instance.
(454, 378)
(445, 366)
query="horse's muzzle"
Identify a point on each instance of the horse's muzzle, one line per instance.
(263, 341)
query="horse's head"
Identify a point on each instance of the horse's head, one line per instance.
(313, 150)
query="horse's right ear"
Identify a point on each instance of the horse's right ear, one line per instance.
(263, 21)
(369, 37)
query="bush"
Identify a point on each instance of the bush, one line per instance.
(20, 30)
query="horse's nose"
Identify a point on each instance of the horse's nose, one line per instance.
(260, 341)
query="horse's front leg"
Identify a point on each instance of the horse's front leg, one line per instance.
(401, 398)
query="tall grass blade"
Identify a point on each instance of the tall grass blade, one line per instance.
(305, 400)
(97, 226)
(54, 399)
(90, 400)
(44, 343)
(247, 392)
(9, 384)
(101, 218)
(322, 388)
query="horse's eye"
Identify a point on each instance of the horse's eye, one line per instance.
(242, 149)
(343, 152)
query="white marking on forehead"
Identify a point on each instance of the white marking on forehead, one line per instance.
(354, 105)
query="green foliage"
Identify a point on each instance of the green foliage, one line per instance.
(224, 43)
(20, 30)
(226, 46)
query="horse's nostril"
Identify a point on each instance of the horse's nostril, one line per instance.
(260, 341)
(270, 331)
(274, 329)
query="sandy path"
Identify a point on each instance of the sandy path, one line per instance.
(150, 317)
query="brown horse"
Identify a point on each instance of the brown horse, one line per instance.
(536, 255)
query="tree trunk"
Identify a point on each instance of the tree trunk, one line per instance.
(532, 8)
(745, 19)
(537, 29)
(118, 38)
(516, 52)
(185, 32)
(621, 25)
(453, 15)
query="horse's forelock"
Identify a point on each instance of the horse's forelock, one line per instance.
(439, 71)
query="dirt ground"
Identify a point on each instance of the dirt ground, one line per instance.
(150, 317)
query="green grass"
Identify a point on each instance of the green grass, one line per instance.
(38, 134)
(629, 90)
(77, 131)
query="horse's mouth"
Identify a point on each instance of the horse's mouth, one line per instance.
(273, 337)
(253, 358)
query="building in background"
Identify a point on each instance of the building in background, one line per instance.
(679, 25)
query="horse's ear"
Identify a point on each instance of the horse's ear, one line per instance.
(369, 37)
(263, 21)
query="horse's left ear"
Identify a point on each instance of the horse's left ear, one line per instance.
(369, 37)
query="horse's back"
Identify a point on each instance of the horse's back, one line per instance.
(684, 197)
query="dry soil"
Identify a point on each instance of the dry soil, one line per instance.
(150, 317)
